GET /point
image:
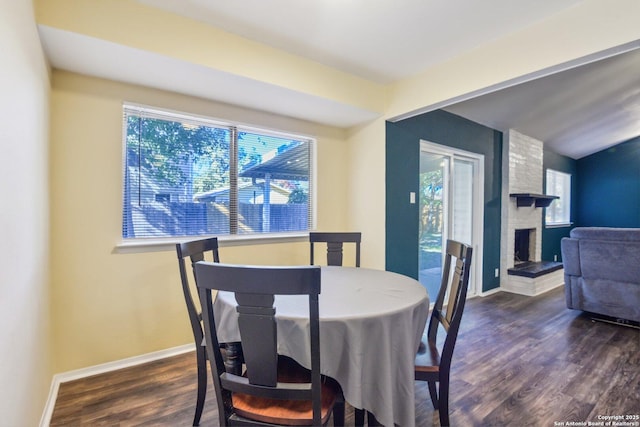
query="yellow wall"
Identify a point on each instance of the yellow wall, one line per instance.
(108, 306)
(25, 370)
(366, 199)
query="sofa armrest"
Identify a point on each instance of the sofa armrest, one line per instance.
(570, 256)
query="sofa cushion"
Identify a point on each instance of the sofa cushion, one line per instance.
(608, 260)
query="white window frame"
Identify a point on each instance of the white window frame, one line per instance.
(146, 244)
(558, 183)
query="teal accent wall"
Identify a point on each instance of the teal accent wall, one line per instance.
(402, 177)
(609, 187)
(551, 237)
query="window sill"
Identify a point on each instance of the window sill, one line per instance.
(559, 225)
(169, 244)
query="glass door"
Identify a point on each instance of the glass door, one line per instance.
(450, 207)
(433, 216)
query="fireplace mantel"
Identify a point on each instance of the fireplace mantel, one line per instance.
(529, 199)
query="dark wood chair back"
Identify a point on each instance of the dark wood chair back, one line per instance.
(433, 365)
(335, 241)
(196, 251)
(267, 383)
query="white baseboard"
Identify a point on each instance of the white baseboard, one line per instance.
(102, 368)
(490, 292)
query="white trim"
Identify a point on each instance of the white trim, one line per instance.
(490, 292)
(101, 369)
(559, 225)
(50, 404)
(199, 119)
(169, 243)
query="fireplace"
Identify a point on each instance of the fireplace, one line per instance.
(523, 247)
(522, 269)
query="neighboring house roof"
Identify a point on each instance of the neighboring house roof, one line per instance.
(247, 193)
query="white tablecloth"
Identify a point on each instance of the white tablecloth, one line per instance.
(371, 323)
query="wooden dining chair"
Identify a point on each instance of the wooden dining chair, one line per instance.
(274, 389)
(196, 250)
(335, 242)
(433, 365)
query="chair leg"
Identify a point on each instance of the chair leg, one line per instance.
(338, 414)
(443, 402)
(434, 394)
(372, 421)
(202, 383)
(358, 416)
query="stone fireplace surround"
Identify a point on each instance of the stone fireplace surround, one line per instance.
(523, 173)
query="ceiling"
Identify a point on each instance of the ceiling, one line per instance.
(380, 40)
(575, 113)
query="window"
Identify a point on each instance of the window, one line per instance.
(188, 176)
(558, 184)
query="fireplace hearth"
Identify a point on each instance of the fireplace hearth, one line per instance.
(534, 269)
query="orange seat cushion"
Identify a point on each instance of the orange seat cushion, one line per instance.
(286, 412)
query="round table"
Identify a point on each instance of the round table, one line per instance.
(371, 323)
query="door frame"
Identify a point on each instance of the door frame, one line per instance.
(477, 226)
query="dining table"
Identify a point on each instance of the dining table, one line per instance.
(371, 324)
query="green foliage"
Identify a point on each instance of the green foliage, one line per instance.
(248, 154)
(178, 153)
(298, 195)
(431, 185)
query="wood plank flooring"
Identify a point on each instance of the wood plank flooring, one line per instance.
(519, 361)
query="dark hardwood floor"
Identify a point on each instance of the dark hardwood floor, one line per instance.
(519, 361)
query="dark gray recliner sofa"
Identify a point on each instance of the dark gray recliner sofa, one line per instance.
(602, 271)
